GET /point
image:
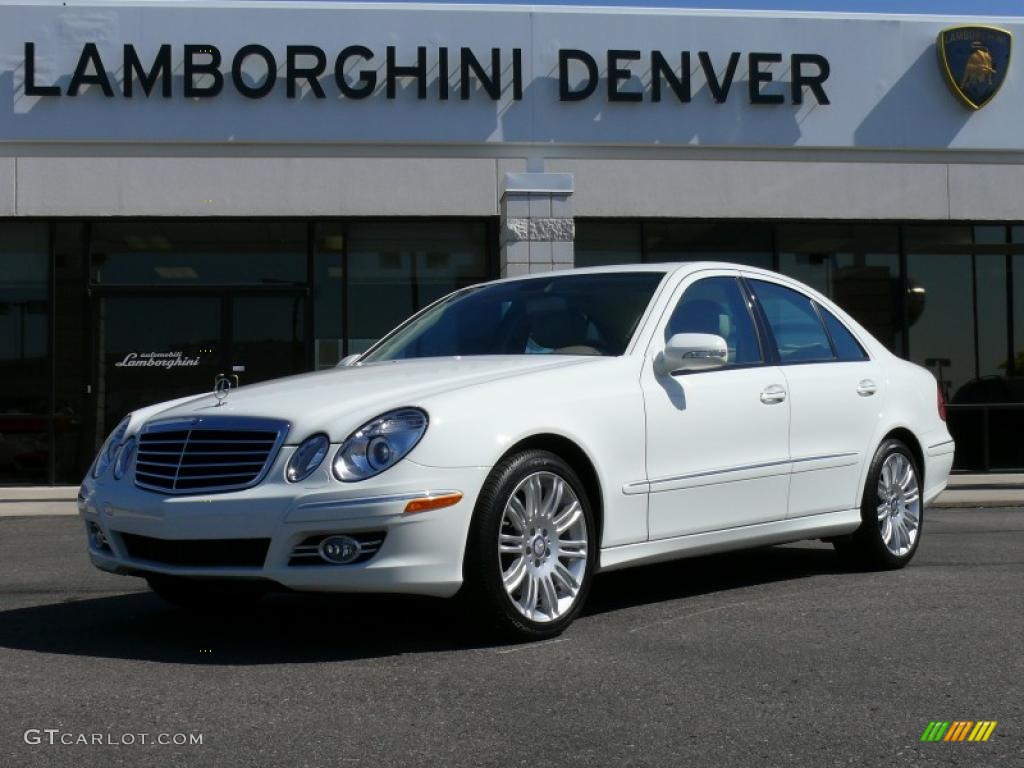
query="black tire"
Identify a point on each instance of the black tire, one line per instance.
(484, 590)
(206, 595)
(866, 549)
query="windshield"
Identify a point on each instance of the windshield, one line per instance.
(586, 314)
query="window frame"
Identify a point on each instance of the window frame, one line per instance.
(816, 307)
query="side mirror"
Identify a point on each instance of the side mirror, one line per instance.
(347, 360)
(692, 352)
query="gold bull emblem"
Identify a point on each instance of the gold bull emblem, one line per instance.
(979, 69)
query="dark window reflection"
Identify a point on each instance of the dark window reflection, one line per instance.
(601, 243)
(855, 265)
(395, 269)
(328, 295)
(267, 337)
(72, 333)
(993, 343)
(942, 324)
(184, 253)
(24, 364)
(740, 242)
(1015, 363)
(938, 237)
(154, 348)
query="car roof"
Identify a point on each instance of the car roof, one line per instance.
(663, 267)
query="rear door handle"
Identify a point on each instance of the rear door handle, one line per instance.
(867, 388)
(773, 394)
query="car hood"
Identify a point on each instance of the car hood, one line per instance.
(339, 400)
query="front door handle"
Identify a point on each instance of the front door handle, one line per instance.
(773, 394)
(866, 388)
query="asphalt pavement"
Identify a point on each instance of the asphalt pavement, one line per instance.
(770, 657)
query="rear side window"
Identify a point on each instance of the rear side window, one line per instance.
(795, 324)
(847, 347)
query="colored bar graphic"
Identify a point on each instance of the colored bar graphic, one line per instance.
(935, 730)
(958, 730)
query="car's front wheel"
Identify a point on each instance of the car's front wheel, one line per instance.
(891, 512)
(532, 547)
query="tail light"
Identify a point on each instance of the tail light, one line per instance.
(940, 402)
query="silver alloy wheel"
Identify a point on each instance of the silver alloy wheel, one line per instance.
(899, 504)
(542, 547)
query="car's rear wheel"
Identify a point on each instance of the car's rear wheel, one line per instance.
(532, 547)
(205, 594)
(891, 512)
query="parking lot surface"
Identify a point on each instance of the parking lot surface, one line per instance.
(768, 657)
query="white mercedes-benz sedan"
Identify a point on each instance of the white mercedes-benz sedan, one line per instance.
(515, 437)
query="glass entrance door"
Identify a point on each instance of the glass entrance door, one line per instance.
(158, 347)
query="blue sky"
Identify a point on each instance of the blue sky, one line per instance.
(979, 8)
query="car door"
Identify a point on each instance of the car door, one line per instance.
(835, 393)
(717, 440)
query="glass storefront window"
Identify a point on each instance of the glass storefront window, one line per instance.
(329, 295)
(24, 347)
(395, 269)
(741, 242)
(186, 253)
(144, 363)
(993, 344)
(267, 336)
(1016, 361)
(942, 319)
(72, 336)
(855, 265)
(600, 243)
(215, 295)
(938, 238)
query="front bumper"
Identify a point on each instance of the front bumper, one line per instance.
(421, 553)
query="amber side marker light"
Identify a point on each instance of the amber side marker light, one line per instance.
(433, 502)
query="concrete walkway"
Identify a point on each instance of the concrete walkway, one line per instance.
(964, 491)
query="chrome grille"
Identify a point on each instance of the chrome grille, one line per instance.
(206, 454)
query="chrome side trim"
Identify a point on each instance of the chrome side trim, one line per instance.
(365, 501)
(940, 449)
(853, 455)
(643, 486)
(707, 542)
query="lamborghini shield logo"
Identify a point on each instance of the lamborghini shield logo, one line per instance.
(975, 61)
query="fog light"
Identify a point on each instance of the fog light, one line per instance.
(97, 539)
(340, 549)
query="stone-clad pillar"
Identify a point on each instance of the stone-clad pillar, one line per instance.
(537, 226)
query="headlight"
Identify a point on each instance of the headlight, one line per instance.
(109, 448)
(124, 458)
(307, 458)
(379, 444)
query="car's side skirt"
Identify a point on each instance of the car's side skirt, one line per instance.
(743, 537)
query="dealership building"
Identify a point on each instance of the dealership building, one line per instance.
(261, 188)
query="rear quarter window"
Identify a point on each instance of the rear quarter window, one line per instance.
(847, 346)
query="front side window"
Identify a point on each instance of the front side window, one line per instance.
(716, 305)
(795, 324)
(587, 314)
